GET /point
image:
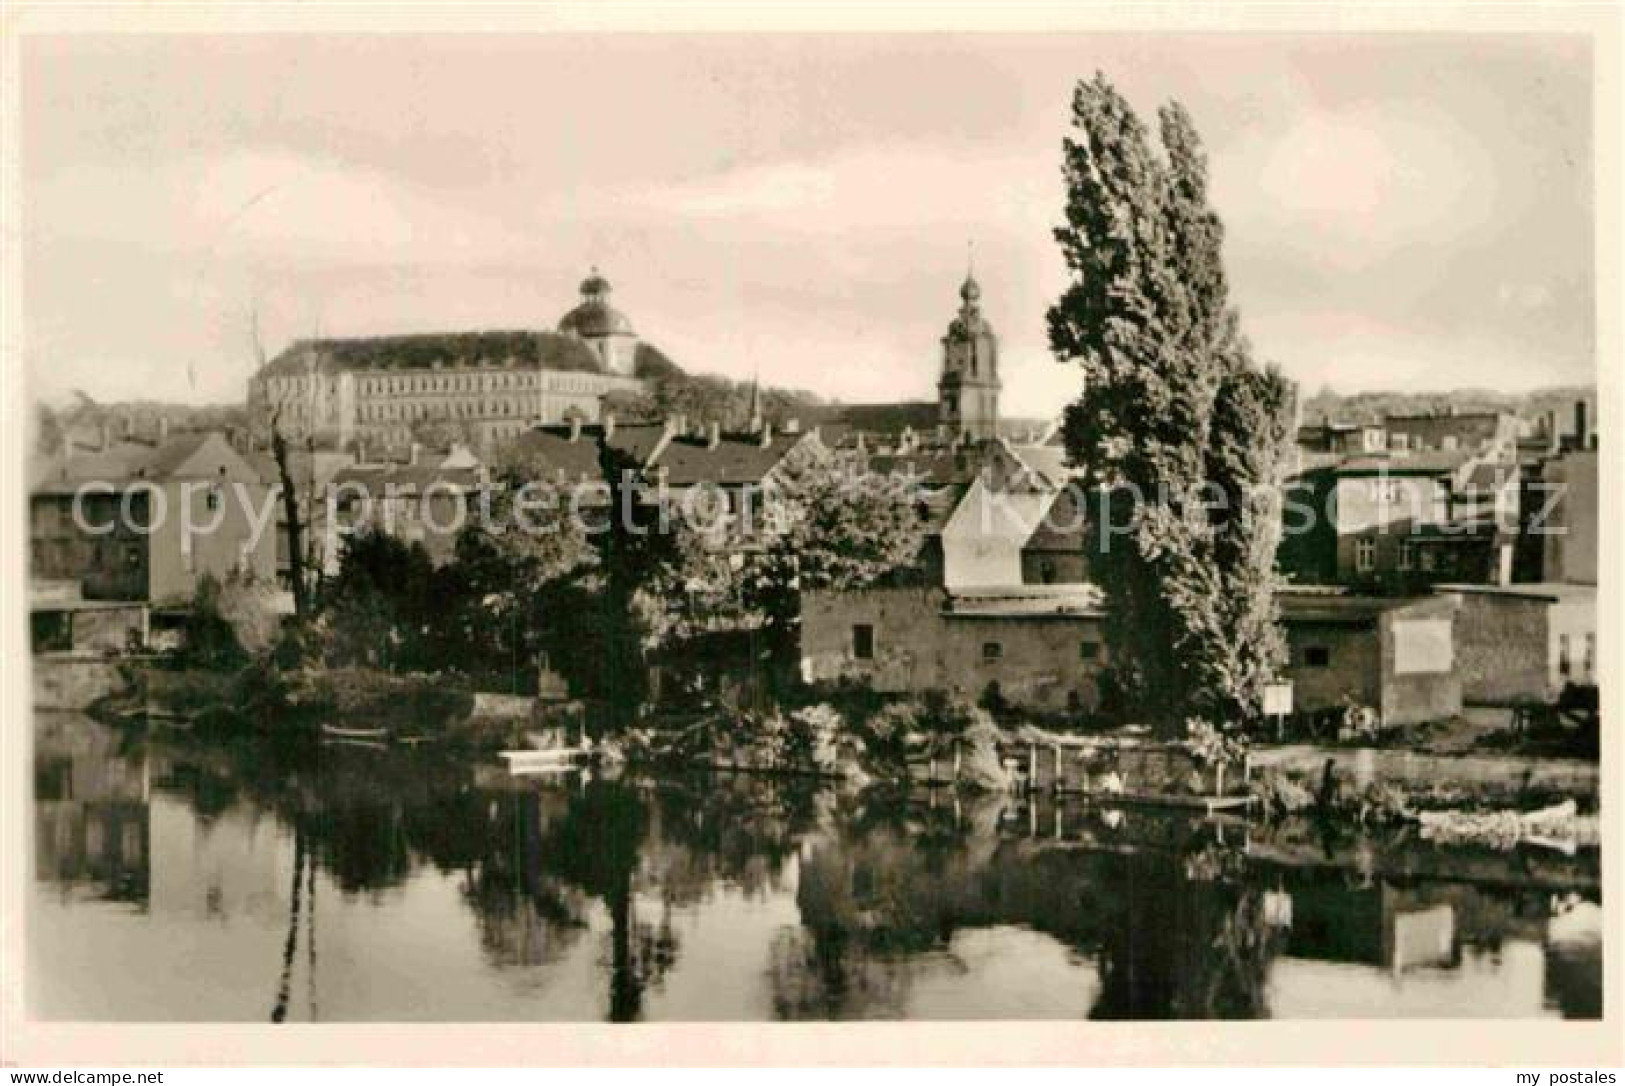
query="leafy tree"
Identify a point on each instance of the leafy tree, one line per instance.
(442, 432)
(209, 640)
(1176, 425)
(702, 399)
(833, 527)
(379, 608)
(496, 599)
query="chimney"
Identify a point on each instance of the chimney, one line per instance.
(609, 425)
(713, 434)
(767, 434)
(1580, 428)
(163, 428)
(575, 427)
(415, 452)
(107, 436)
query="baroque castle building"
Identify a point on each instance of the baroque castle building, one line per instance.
(482, 387)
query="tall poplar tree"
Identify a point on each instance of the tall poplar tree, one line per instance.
(1176, 427)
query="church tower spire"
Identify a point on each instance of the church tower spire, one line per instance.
(968, 391)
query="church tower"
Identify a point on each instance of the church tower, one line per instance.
(968, 393)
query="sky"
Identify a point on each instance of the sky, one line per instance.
(1401, 211)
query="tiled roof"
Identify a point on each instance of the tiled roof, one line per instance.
(122, 463)
(1339, 607)
(1046, 461)
(406, 478)
(1552, 591)
(734, 460)
(1425, 462)
(1026, 601)
(562, 460)
(934, 468)
(519, 349)
(685, 460)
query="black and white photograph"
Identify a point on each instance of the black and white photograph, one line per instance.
(756, 527)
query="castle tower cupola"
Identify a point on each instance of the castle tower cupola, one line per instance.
(602, 327)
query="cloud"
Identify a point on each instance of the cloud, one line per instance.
(893, 187)
(1349, 189)
(260, 206)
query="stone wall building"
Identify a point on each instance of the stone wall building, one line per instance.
(1043, 647)
(1394, 655)
(1524, 643)
(1039, 647)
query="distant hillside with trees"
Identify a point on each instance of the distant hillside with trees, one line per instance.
(704, 398)
(1372, 406)
(86, 421)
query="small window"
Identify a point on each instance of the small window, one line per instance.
(1365, 555)
(211, 500)
(1565, 663)
(1591, 654)
(1089, 650)
(1407, 556)
(1429, 560)
(1046, 571)
(863, 641)
(992, 650)
(1317, 656)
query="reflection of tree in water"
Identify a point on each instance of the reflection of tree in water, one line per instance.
(1176, 936)
(526, 915)
(1180, 942)
(595, 845)
(883, 886)
(736, 830)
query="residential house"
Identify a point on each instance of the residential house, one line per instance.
(983, 540)
(1403, 520)
(723, 481)
(428, 503)
(1567, 515)
(146, 522)
(1057, 550)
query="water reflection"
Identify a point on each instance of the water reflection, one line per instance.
(357, 884)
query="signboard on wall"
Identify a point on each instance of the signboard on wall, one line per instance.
(1278, 699)
(1423, 646)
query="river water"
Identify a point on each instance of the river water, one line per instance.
(177, 880)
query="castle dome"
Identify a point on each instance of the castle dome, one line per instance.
(969, 323)
(594, 317)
